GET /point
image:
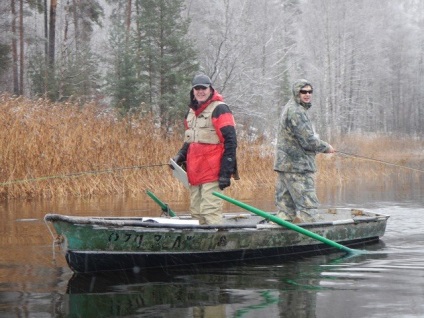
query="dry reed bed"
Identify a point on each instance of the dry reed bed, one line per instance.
(62, 149)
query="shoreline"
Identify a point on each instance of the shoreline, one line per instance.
(64, 150)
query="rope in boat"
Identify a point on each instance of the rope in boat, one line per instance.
(78, 174)
(377, 160)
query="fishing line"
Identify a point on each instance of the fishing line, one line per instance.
(78, 174)
(377, 160)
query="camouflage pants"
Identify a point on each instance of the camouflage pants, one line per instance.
(204, 206)
(295, 196)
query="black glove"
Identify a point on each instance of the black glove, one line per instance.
(224, 182)
(179, 159)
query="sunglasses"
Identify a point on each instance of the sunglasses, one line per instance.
(306, 92)
(200, 88)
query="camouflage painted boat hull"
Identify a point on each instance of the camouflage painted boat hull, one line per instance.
(94, 244)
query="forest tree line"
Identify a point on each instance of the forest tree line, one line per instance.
(364, 58)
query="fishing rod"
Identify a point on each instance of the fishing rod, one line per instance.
(78, 174)
(377, 160)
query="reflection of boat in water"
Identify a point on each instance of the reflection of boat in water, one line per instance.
(252, 275)
(191, 294)
(121, 294)
(251, 290)
(94, 244)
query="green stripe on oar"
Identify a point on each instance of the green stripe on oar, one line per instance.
(286, 224)
(165, 208)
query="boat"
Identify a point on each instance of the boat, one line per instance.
(97, 244)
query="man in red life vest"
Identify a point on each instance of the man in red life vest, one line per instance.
(209, 150)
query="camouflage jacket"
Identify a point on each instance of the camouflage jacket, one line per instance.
(297, 142)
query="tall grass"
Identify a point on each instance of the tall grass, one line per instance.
(61, 149)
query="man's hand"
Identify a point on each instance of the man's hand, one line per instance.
(224, 183)
(179, 159)
(330, 150)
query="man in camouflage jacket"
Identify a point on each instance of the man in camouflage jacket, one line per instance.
(297, 145)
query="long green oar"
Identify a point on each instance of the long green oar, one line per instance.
(286, 224)
(165, 208)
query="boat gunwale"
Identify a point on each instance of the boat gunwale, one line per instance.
(132, 221)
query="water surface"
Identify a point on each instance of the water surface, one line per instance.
(35, 280)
